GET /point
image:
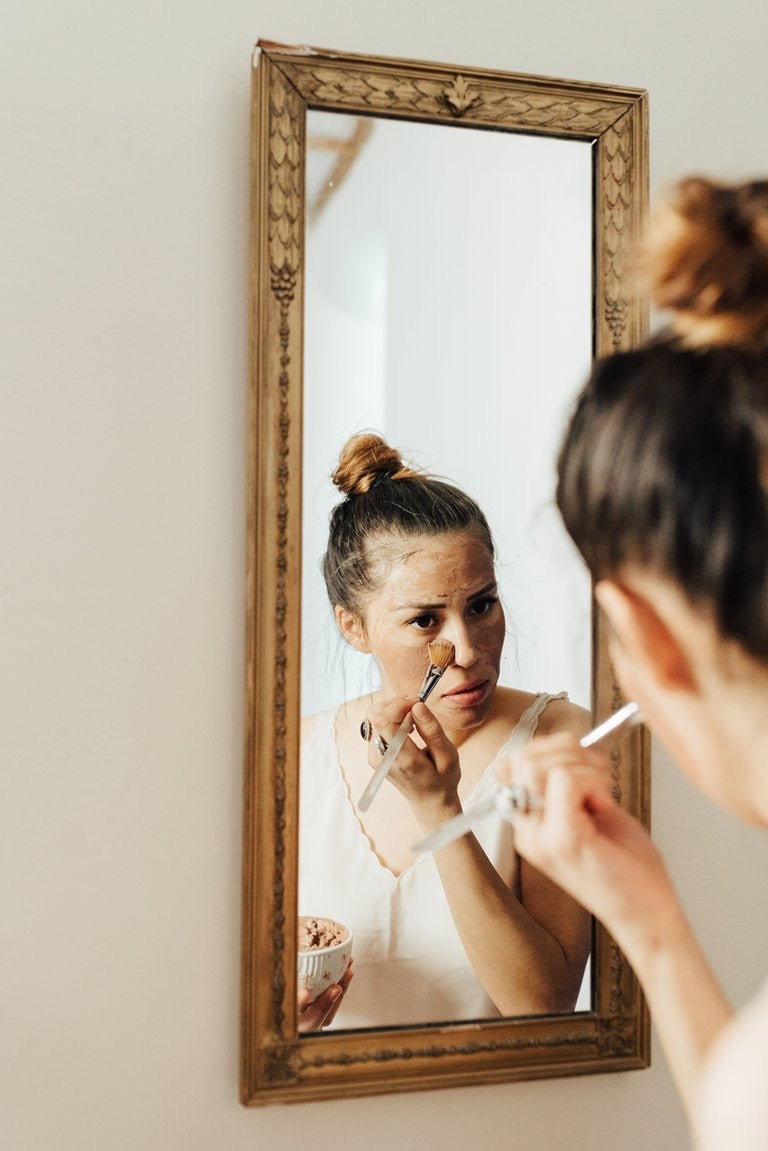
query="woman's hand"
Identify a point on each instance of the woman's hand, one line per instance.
(319, 1012)
(583, 840)
(428, 776)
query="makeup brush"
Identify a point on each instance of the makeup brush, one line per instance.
(509, 800)
(441, 654)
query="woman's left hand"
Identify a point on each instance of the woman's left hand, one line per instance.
(314, 1014)
(427, 776)
(582, 839)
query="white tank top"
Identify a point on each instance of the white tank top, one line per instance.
(409, 962)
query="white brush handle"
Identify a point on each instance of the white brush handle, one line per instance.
(389, 757)
(461, 824)
(630, 713)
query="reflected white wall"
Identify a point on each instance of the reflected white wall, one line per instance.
(449, 306)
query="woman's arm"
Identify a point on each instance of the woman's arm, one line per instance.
(528, 942)
(529, 965)
(595, 850)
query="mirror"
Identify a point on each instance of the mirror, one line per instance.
(362, 318)
(408, 303)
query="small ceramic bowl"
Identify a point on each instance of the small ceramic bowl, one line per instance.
(319, 967)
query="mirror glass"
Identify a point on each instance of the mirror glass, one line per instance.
(448, 304)
(437, 255)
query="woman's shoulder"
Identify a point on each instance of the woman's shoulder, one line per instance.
(732, 1107)
(557, 714)
(562, 715)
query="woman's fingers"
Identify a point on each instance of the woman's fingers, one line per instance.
(581, 837)
(530, 770)
(566, 785)
(426, 770)
(387, 715)
(320, 1011)
(531, 764)
(344, 983)
(441, 751)
(572, 794)
(384, 719)
(312, 1016)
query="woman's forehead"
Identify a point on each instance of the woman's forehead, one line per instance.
(447, 561)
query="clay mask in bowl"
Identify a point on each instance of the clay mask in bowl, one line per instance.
(324, 952)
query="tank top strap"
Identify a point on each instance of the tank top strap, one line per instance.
(525, 728)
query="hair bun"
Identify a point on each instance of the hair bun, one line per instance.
(705, 259)
(366, 458)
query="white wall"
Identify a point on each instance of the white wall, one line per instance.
(124, 214)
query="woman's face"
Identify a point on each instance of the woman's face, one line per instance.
(438, 588)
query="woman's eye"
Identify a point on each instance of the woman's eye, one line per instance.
(484, 605)
(422, 622)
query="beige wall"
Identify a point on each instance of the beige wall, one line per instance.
(124, 209)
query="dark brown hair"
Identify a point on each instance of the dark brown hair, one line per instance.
(704, 257)
(386, 501)
(664, 461)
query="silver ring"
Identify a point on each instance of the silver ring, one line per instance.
(366, 730)
(380, 744)
(518, 800)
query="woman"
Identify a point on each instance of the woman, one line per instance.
(662, 485)
(475, 933)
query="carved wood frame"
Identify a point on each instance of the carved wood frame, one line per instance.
(277, 1065)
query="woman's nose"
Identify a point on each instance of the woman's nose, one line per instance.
(462, 640)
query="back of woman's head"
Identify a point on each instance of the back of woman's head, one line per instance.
(385, 502)
(664, 464)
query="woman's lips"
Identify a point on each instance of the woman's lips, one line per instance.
(467, 696)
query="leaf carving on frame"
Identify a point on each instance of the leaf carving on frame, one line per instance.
(617, 193)
(285, 201)
(622, 981)
(348, 89)
(446, 1050)
(460, 97)
(617, 1035)
(284, 226)
(278, 1064)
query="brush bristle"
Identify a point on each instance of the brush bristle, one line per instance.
(441, 653)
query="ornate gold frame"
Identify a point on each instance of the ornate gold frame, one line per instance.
(277, 1065)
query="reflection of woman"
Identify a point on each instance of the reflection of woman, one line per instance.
(664, 487)
(472, 932)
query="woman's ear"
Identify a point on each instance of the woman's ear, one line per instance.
(650, 646)
(352, 629)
